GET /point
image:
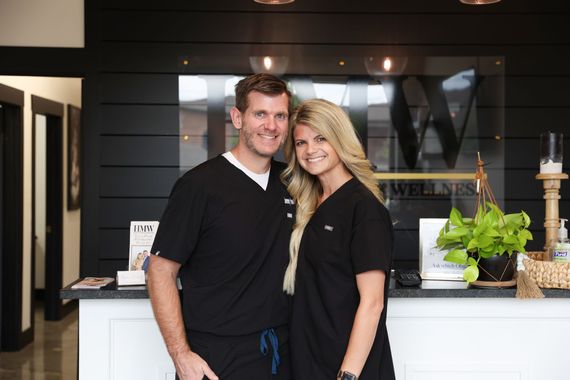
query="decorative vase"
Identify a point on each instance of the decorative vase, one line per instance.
(497, 272)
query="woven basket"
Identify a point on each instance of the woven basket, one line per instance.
(535, 255)
(548, 274)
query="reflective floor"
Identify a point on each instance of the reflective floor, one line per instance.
(51, 356)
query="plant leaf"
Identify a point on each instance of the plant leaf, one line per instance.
(526, 234)
(486, 254)
(471, 261)
(480, 214)
(511, 240)
(515, 222)
(456, 233)
(526, 219)
(498, 212)
(457, 256)
(473, 243)
(479, 229)
(491, 220)
(485, 241)
(471, 273)
(456, 217)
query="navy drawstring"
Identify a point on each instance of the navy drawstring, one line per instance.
(274, 341)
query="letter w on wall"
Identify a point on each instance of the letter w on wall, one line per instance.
(438, 109)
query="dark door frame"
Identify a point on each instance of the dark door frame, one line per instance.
(54, 111)
(12, 338)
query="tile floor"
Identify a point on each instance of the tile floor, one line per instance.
(51, 356)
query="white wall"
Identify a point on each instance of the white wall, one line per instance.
(45, 23)
(40, 206)
(66, 91)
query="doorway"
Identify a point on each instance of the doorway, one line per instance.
(47, 201)
(12, 336)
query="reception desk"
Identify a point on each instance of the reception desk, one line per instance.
(439, 331)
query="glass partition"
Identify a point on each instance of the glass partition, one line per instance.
(421, 120)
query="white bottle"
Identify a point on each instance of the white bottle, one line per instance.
(562, 247)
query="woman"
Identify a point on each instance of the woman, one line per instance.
(340, 251)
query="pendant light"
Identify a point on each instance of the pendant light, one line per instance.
(479, 2)
(274, 2)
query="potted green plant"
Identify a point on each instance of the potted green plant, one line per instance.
(488, 241)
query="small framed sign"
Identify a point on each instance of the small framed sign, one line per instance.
(141, 239)
(432, 265)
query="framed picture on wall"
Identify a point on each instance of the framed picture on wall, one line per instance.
(73, 157)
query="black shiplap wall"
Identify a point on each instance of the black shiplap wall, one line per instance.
(136, 49)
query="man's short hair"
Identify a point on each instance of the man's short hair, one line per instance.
(266, 84)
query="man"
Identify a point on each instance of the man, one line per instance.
(226, 230)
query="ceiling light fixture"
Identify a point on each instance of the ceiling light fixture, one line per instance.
(274, 2)
(269, 64)
(382, 66)
(479, 2)
(387, 64)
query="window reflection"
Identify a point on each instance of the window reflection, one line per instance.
(427, 115)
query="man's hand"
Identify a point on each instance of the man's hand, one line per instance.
(190, 366)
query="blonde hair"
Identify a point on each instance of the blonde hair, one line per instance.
(331, 122)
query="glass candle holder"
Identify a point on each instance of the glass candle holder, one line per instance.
(551, 152)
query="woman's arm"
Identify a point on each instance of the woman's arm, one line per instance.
(371, 288)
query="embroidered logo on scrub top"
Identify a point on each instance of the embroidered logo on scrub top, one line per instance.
(289, 201)
(329, 228)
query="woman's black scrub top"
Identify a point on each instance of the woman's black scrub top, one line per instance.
(350, 233)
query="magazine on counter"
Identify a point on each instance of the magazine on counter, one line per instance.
(141, 239)
(92, 283)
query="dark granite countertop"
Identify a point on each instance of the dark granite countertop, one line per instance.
(428, 289)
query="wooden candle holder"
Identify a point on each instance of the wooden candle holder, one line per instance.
(551, 185)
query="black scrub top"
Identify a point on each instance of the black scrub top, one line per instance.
(349, 233)
(232, 239)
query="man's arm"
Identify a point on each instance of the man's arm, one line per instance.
(167, 309)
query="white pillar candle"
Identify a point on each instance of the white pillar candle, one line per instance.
(551, 167)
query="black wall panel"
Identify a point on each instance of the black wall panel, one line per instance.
(530, 121)
(140, 120)
(167, 57)
(118, 212)
(521, 185)
(322, 28)
(524, 153)
(139, 89)
(135, 52)
(114, 244)
(139, 150)
(109, 267)
(536, 91)
(342, 6)
(149, 182)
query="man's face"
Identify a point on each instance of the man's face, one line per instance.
(265, 123)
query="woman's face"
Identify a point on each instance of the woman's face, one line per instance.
(314, 153)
